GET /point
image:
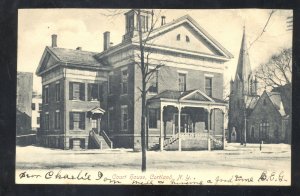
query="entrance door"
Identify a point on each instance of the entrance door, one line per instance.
(185, 123)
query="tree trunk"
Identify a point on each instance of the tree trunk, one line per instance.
(143, 71)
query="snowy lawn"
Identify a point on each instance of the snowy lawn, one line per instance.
(235, 156)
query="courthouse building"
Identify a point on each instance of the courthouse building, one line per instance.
(92, 99)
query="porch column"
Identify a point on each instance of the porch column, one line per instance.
(98, 122)
(208, 129)
(179, 125)
(224, 139)
(161, 139)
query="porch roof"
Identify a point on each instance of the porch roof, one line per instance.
(186, 96)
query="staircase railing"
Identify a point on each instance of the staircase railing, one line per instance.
(171, 140)
(106, 138)
(217, 139)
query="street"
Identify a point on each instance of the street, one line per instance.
(272, 157)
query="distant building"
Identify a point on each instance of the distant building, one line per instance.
(23, 102)
(36, 107)
(90, 93)
(254, 118)
(270, 120)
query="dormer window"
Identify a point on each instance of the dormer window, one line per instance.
(178, 37)
(187, 39)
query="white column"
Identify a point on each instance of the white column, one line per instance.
(179, 138)
(223, 113)
(208, 129)
(161, 139)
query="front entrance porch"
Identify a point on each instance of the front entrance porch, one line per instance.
(189, 122)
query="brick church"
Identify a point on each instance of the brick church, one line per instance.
(254, 118)
(91, 99)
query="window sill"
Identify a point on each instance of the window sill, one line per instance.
(153, 129)
(94, 101)
(76, 100)
(152, 93)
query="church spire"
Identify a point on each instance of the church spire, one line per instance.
(243, 71)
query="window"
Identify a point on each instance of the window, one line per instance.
(144, 23)
(153, 116)
(46, 121)
(76, 91)
(46, 94)
(264, 102)
(57, 120)
(124, 82)
(264, 130)
(110, 84)
(154, 82)
(40, 106)
(124, 118)
(178, 37)
(187, 39)
(77, 120)
(94, 124)
(38, 120)
(130, 23)
(208, 86)
(57, 92)
(93, 92)
(182, 81)
(110, 119)
(33, 106)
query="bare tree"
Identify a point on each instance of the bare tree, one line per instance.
(142, 60)
(277, 71)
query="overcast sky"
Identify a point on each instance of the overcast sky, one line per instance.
(85, 27)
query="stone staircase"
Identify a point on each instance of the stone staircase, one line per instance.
(97, 141)
(193, 141)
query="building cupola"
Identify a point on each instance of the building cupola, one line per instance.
(131, 21)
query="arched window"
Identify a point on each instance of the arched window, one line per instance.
(264, 130)
(178, 37)
(187, 39)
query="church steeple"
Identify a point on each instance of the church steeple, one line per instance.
(243, 71)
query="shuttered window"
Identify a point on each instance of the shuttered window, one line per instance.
(76, 91)
(94, 91)
(77, 120)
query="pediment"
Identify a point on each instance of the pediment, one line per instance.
(184, 34)
(197, 95)
(47, 61)
(183, 37)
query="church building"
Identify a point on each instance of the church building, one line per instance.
(254, 118)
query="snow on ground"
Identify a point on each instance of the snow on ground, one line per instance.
(235, 156)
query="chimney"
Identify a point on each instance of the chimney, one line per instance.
(163, 20)
(54, 40)
(106, 40)
(79, 48)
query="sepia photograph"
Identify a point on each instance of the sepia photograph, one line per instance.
(154, 96)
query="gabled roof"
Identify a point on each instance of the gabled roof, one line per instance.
(191, 95)
(276, 101)
(189, 20)
(286, 97)
(75, 56)
(70, 57)
(251, 102)
(159, 30)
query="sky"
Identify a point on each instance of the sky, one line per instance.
(85, 28)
